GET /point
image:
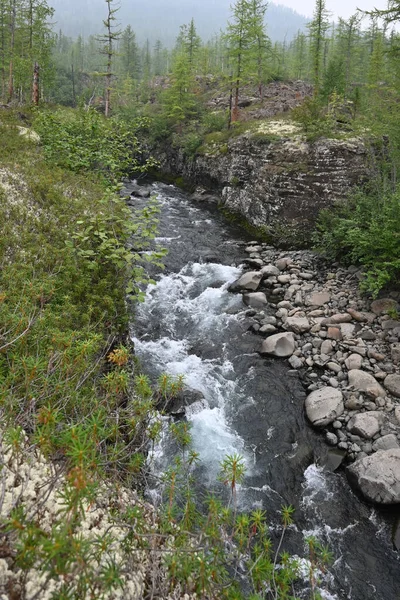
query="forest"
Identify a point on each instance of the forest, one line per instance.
(78, 115)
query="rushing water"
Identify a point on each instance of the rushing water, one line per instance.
(190, 324)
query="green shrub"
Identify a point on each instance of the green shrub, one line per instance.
(215, 121)
(365, 230)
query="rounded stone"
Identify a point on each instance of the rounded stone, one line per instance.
(324, 406)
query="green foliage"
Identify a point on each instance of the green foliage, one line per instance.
(83, 141)
(365, 230)
(315, 119)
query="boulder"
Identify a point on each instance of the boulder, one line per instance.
(324, 406)
(366, 424)
(364, 382)
(248, 281)
(255, 299)
(298, 324)
(281, 345)
(378, 476)
(392, 384)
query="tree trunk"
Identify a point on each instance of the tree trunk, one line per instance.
(36, 87)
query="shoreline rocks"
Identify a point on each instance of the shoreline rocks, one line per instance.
(345, 348)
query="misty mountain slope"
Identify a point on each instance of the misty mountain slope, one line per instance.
(160, 19)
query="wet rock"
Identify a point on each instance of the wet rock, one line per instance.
(396, 535)
(334, 459)
(378, 476)
(255, 299)
(364, 382)
(383, 305)
(248, 281)
(392, 384)
(353, 362)
(268, 329)
(139, 191)
(386, 442)
(324, 406)
(366, 425)
(331, 439)
(281, 345)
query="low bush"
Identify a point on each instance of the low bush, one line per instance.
(365, 230)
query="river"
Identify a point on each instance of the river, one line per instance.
(191, 324)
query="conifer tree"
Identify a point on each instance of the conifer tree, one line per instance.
(317, 34)
(108, 40)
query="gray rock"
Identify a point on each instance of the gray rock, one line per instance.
(353, 362)
(392, 383)
(395, 352)
(354, 402)
(327, 347)
(331, 439)
(390, 324)
(366, 425)
(284, 278)
(378, 476)
(298, 324)
(269, 271)
(387, 442)
(295, 362)
(268, 329)
(281, 345)
(248, 281)
(255, 299)
(318, 299)
(364, 382)
(347, 330)
(324, 406)
(397, 414)
(337, 319)
(381, 306)
(282, 263)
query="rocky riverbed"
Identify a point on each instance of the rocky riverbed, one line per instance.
(346, 349)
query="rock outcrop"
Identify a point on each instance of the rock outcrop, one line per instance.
(276, 184)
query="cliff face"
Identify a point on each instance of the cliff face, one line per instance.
(279, 185)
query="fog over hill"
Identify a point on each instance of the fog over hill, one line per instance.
(160, 19)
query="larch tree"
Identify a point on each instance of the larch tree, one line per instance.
(108, 40)
(317, 34)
